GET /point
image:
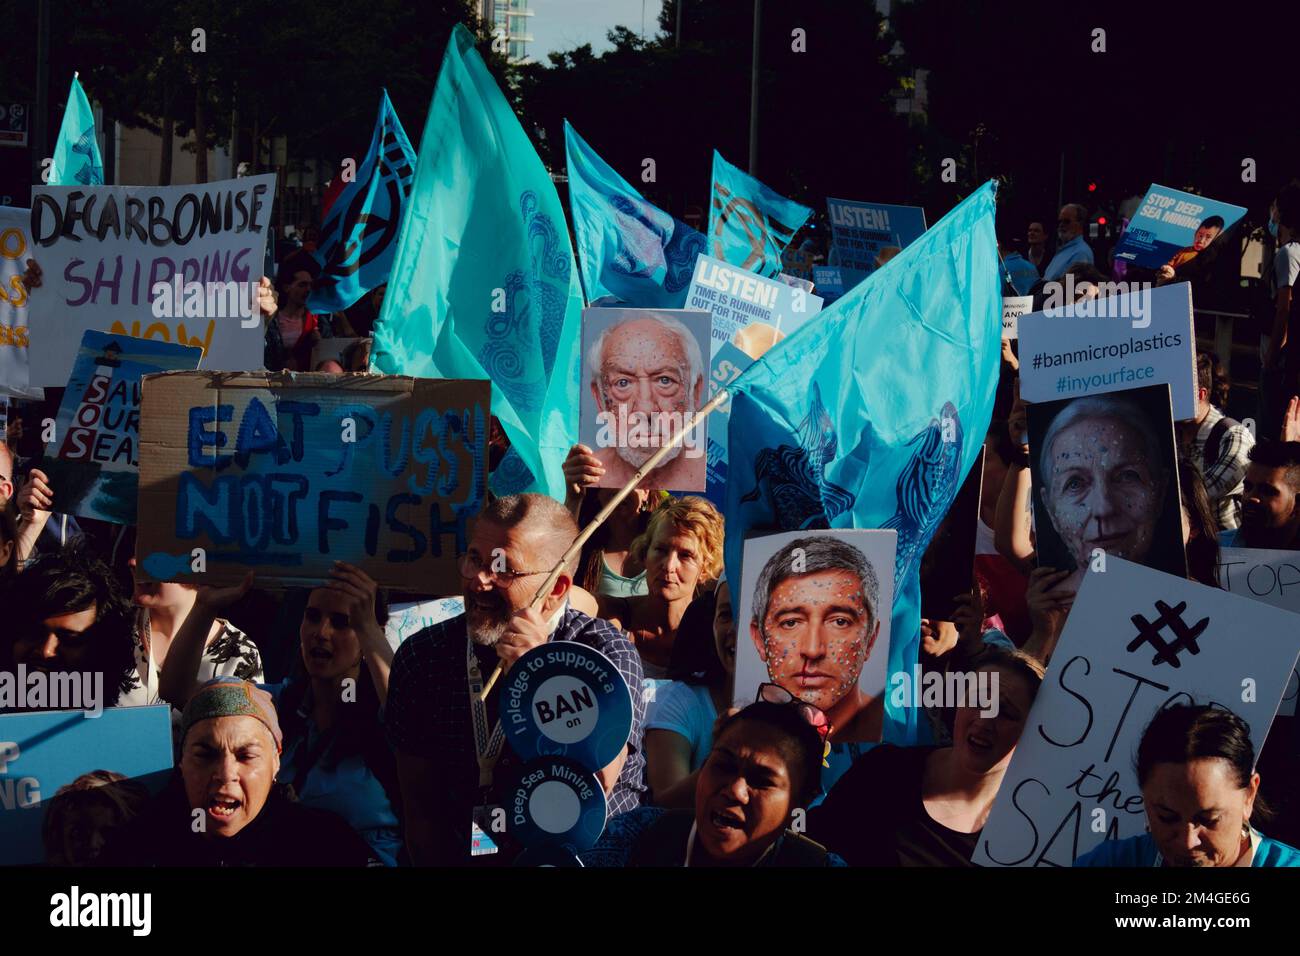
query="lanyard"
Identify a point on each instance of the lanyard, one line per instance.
(487, 748)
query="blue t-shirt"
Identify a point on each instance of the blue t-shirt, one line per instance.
(348, 788)
(1140, 851)
(685, 709)
(1074, 251)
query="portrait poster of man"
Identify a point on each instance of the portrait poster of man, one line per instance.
(644, 377)
(1105, 480)
(813, 616)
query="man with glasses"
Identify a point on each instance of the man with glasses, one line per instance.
(451, 757)
(1070, 245)
(647, 379)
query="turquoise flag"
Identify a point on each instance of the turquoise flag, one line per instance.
(483, 283)
(359, 236)
(76, 153)
(871, 415)
(631, 252)
(749, 224)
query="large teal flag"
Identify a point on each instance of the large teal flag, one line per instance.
(749, 224)
(871, 415)
(483, 284)
(631, 252)
(76, 153)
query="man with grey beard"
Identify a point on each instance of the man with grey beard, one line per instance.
(447, 769)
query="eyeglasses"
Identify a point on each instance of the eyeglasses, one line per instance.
(776, 694)
(471, 566)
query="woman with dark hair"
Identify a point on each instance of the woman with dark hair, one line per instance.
(335, 756)
(1196, 770)
(926, 806)
(292, 330)
(1200, 527)
(764, 765)
(67, 612)
(679, 721)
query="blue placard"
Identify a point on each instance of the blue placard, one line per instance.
(1164, 229)
(861, 230)
(556, 804)
(728, 363)
(42, 751)
(567, 700)
(547, 856)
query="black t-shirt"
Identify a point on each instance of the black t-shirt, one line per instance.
(874, 815)
(283, 834)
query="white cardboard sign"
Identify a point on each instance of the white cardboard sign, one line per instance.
(1135, 640)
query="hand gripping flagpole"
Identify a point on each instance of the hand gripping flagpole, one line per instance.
(576, 548)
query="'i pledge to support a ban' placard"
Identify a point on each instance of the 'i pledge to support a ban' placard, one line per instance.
(567, 700)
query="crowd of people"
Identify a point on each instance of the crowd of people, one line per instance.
(341, 749)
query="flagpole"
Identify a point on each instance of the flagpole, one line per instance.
(576, 548)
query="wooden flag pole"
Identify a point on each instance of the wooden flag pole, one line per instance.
(576, 548)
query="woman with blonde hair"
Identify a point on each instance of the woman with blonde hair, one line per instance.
(681, 551)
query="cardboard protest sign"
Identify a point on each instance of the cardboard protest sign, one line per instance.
(92, 460)
(749, 311)
(1136, 640)
(41, 751)
(1013, 307)
(285, 474)
(1105, 481)
(568, 700)
(173, 263)
(819, 623)
(643, 379)
(1104, 345)
(948, 565)
(410, 617)
(1272, 577)
(1170, 227)
(861, 231)
(556, 803)
(728, 363)
(15, 333)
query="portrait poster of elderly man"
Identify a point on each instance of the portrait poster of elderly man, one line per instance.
(816, 608)
(1105, 482)
(644, 377)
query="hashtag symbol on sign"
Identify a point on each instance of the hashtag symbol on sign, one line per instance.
(1038, 360)
(1184, 636)
(1060, 384)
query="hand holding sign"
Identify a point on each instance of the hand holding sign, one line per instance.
(215, 600)
(526, 630)
(36, 494)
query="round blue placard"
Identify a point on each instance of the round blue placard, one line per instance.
(557, 804)
(566, 700)
(547, 856)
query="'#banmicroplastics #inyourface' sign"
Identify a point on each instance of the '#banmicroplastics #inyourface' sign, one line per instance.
(568, 700)
(1136, 641)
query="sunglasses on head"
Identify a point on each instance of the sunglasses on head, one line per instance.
(776, 694)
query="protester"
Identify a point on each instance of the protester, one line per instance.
(1036, 236)
(335, 756)
(604, 565)
(1205, 233)
(41, 530)
(682, 549)
(1071, 246)
(66, 613)
(162, 608)
(763, 766)
(7, 477)
(926, 806)
(83, 814)
(222, 806)
(444, 769)
(8, 545)
(1218, 444)
(1196, 769)
(1270, 517)
(1282, 349)
(679, 721)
